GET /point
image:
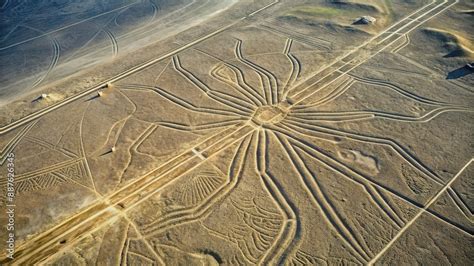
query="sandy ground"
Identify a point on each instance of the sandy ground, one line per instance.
(84, 35)
(271, 133)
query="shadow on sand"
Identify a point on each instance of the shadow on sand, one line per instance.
(459, 73)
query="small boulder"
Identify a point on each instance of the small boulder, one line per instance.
(41, 98)
(365, 20)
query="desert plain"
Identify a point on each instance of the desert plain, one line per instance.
(237, 132)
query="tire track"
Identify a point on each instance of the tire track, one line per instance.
(54, 58)
(89, 41)
(101, 28)
(117, 77)
(155, 8)
(113, 40)
(64, 27)
(99, 214)
(18, 25)
(5, 4)
(52, 65)
(171, 14)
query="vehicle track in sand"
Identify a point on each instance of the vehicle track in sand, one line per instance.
(64, 27)
(101, 85)
(101, 213)
(56, 52)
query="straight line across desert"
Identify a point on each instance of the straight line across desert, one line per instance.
(237, 132)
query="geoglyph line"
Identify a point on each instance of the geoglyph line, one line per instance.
(15, 141)
(375, 140)
(352, 175)
(404, 44)
(223, 98)
(191, 214)
(199, 127)
(375, 48)
(296, 36)
(267, 79)
(210, 150)
(458, 201)
(399, 90)
(333, 95)
(295, 69)
(420, 212)
(321, 201)
(288, 229)
(120, 76)
(350, 115)
(239, 85)
(103, 211)
(181, 102)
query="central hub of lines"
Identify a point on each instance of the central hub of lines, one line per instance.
(268, 114)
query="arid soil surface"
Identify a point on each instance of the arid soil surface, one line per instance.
(45, 41)
(255, 132)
